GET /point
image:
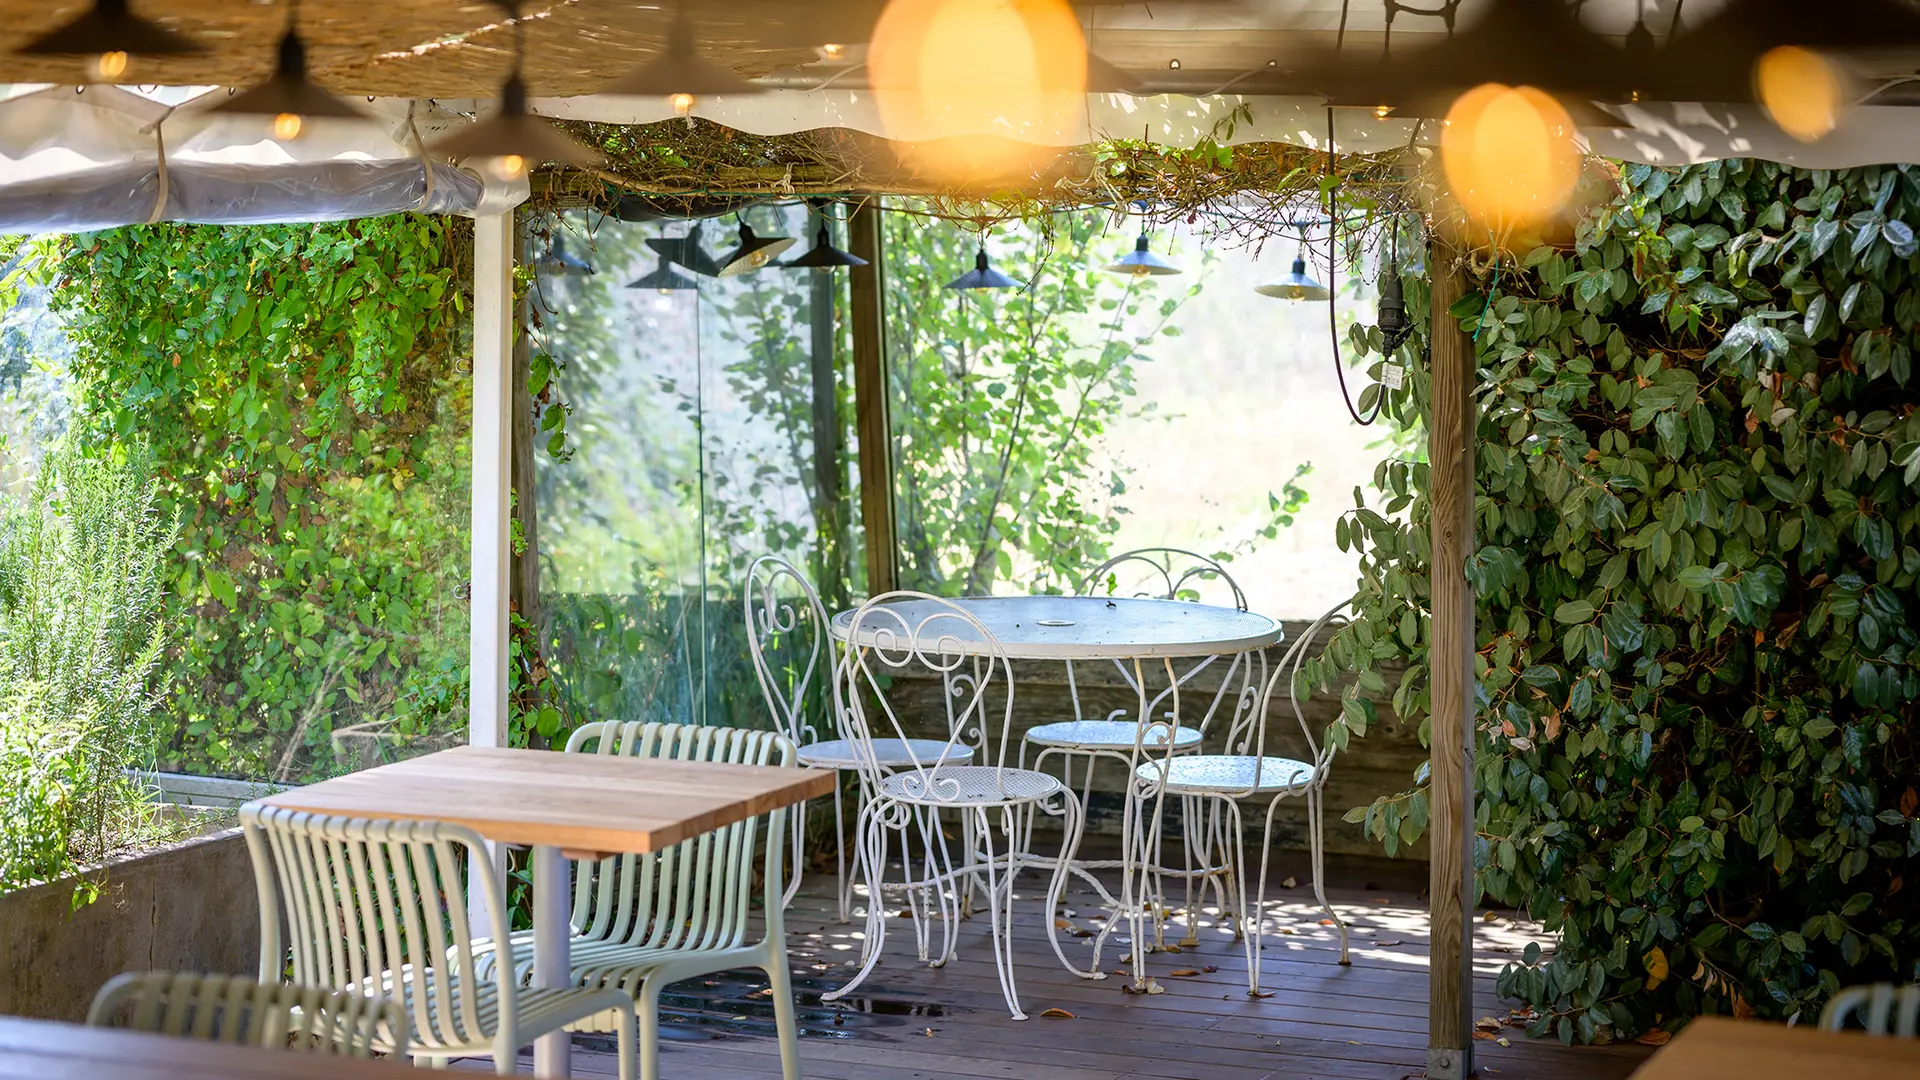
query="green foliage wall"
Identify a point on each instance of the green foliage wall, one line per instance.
(295, 388)
(1699, 541)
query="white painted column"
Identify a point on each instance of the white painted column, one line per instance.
(492, 434)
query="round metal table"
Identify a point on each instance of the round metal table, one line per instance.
(1125, 630)
(1091, 627)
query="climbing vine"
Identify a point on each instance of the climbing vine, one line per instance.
(1698, 538)
(293, 387)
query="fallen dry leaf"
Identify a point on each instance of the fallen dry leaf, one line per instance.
(1387, 944)
(1656, 1037)
(1491, 916)
(1487, 1023)
(1326, 922)
(1287, 930)
(1290, 883)
(1380, 900)
(1210, 968)
(1061, 1013)
(1062, 924)
(928, 1032)
(1486, 1036)
(1502, 1040)
(1183, 972)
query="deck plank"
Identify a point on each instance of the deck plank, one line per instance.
(1324, 1021)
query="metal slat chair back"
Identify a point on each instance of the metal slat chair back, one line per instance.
(379, 905)
(696, 894)
(1880, 1008)
(229, 1009)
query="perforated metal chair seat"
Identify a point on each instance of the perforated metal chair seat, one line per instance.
(969, 785)
(1117, 735)
(889, 753)
(1219, 774)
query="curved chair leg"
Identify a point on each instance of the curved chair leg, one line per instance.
(999, 913)
(1316, 843)
(785, 1023)
(1073, 821)
(647, 1018)
(1250, 914)
(843, 889)
(799, 854)
(872, 854)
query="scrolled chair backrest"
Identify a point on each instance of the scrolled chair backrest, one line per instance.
(243, 1012)
(897, 633)
(1169, 573)
(695, 894)
(379, 906)
(1164, 573)
(783, 613)
(1880, 1008)
(1248, 735)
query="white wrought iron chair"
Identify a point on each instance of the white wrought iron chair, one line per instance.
(1881, 1008)
(242, 1012)
(895, 634)
(1248, 771)
(641, 922)
(1081, 743)
(787, 638)
(377, 906)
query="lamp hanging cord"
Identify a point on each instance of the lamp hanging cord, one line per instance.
(1333, 292)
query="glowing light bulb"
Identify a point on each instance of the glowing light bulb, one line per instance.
(286, 126)
(977, 89)
(1381, 111)
(507, 168)
(1508, 154)
(1801, 91)
(682, 104)
(109, 66)
(832, 50)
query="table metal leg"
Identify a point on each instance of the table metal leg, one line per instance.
(552, 966)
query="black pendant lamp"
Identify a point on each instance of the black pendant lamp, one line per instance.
(823, 255)
(754, 252)
(1141, 262)
(289, 96)
(687, 251)
(664, 278)
(982, 276)
(513, 140)
(1296, 285)
(110, 36)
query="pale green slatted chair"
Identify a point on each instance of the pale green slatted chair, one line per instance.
(378, 906)
(1882, 1009)
(641, 922)
(229, 1009)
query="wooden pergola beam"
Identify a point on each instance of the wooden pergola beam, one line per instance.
(1450, 433)
(871, 397)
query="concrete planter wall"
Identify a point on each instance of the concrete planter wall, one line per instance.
(189, 906)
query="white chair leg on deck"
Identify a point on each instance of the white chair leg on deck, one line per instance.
(1072, 823)
(873, 865)
(999, 913)
(1316, 844)
(843, 887)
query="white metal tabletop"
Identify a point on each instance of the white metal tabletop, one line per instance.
(1086, 627)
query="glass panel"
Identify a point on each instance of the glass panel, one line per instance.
(690, 449)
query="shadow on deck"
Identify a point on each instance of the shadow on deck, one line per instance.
(1366, 1021)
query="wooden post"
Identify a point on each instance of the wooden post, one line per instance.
(871, 395)
(1451, 888)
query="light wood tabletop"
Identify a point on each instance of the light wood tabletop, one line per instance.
(584, 804)
(46, 1050)
(1715, 1047)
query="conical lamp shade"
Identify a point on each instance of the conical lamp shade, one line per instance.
(664, 278)
(289, 92)
(680, 69)
(753, 253)
(108, 27)
(1141, 262)
(982, 276)
(513, 132)
(687, 251)
(1297, 285)
(823, 255)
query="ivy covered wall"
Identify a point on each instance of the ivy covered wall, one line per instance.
(1698, 546)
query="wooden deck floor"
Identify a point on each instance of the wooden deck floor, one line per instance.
(1366, 1021)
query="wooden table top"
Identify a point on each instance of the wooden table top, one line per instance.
(46, 1050)
(585, 804)
(1715, 1047)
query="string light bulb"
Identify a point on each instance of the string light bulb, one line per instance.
(679, 74)
(109, 66)
(975, 89)
(288, 97)
(1801, 90)
(507, 167)
(1508, 154)
(507, 143)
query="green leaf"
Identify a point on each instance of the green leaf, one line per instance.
(1573, 611)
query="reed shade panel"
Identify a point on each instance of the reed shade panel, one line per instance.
(588, 805)
(1716, 1048)
(46, 1050)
